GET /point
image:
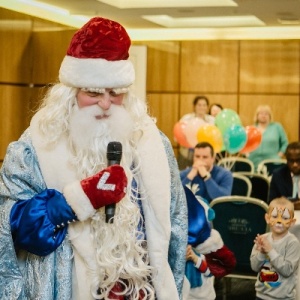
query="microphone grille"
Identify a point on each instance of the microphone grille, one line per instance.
(114, 151)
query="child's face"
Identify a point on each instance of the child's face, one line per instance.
(280, 218)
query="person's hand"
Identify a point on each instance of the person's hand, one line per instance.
(190, 254)
(280, 154)
(258, 243)
(262, 244)
(106, 187)
(198, 167)
(193, 173)
(266, 245)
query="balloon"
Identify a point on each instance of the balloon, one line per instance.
(226, 118)
(179, 135)
(235, 138)
(211, 134)
(191, 129)
(254, 137)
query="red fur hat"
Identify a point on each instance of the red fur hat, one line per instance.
(97, 57)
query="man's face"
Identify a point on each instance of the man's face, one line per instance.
(293, 161)
(204, 155)
(104, 98)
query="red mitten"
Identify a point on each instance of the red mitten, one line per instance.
(221, 262)
(106, 187)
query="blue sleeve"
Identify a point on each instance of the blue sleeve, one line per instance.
(183, 176)
(39, 225)
(221, 188)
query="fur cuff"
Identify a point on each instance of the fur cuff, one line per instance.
(212, 244)
(78, 200)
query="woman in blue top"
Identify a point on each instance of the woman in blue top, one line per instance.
(274, 139)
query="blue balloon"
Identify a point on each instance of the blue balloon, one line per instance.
(235, 138)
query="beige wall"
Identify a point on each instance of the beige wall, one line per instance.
(238, 74)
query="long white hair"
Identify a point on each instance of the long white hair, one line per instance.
(121, 248)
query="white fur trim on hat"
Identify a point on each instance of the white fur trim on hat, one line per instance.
(96, 73)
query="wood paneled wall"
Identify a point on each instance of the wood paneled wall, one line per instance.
(238, 74)
(209, 67)
(29, 61)
(269, 67)
(49, 49)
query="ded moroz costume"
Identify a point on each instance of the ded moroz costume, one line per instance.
(55, 242)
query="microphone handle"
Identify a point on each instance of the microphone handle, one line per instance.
(109, 213)
(113, 162)
(110, 208)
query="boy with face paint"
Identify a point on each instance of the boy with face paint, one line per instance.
(275, 255)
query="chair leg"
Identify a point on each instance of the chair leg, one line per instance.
(224, 289)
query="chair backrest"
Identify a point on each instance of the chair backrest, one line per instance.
(260, 186)
(236, 164)
(238, 220)
(241, 185)
(268, 166)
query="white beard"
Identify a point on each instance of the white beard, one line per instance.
(90, 136)
(120, 256)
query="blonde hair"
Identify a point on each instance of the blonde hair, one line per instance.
(260, 108)
(282, 201)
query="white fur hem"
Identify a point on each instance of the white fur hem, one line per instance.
(96, 73)
(79, 201)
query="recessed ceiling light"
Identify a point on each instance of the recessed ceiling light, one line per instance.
(169, 3)
(232, 21)
(44, 11)
(232, 33)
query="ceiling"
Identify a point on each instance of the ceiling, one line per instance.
(177, 19)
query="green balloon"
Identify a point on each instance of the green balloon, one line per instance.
(226, 118)
(235, 138)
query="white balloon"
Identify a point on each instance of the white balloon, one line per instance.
(191, 129)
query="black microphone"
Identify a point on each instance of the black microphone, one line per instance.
(113, 155)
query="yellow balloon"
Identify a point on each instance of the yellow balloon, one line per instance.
(211, 134)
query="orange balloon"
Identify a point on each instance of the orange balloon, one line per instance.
(211, 134)
(179, 135)
(254, 137)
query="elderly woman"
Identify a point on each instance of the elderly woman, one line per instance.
(199, 116)
(274, 139)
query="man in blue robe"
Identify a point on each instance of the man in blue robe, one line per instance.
(55, 183)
